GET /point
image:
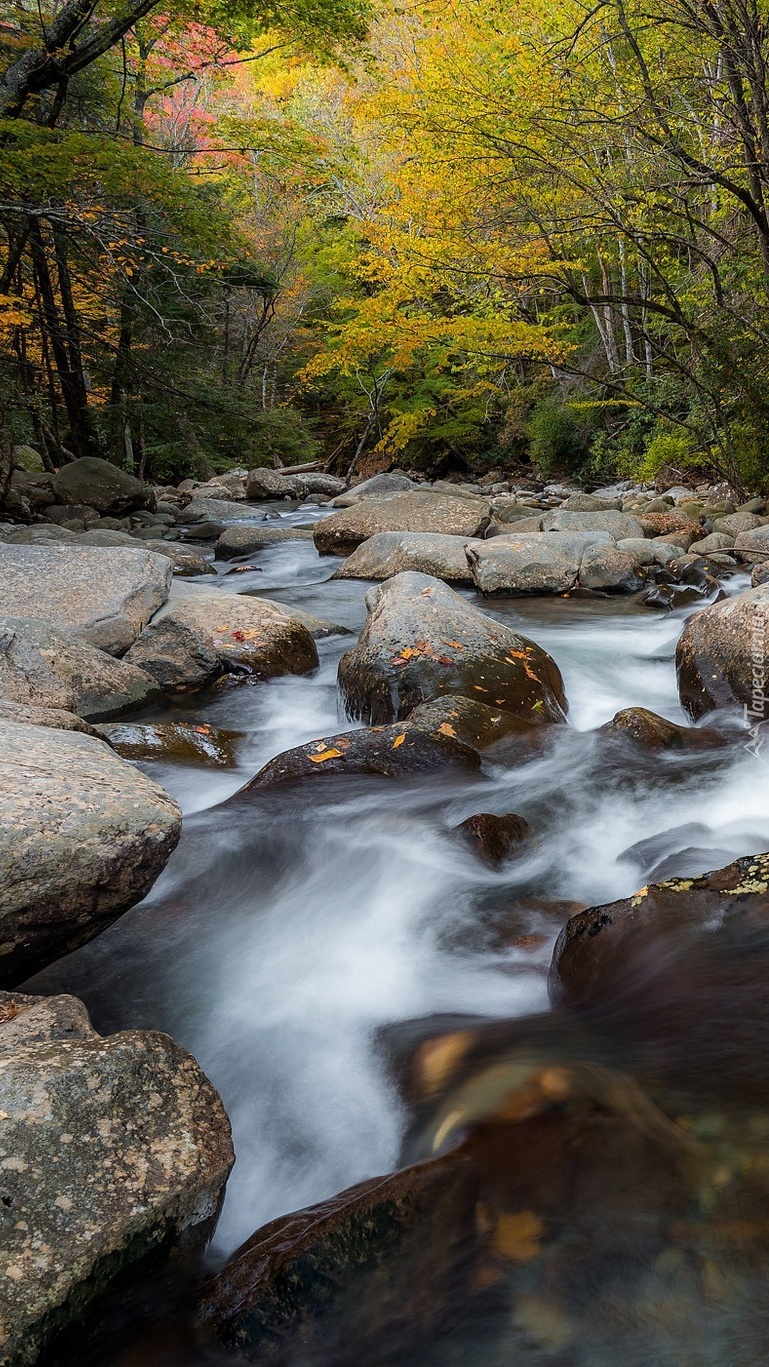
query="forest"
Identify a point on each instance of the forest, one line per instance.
(445, 236)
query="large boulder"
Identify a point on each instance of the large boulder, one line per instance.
(43, 667)
(201, 636)
(103, 597)
(422, 641)
(722, 657)
(203, 510)
(375, 487)
(83, 837)
(532, 562)
(109, 1148)
(389, 553)
(173, 742)
(416, 510)
(100, 484)
(263, 484)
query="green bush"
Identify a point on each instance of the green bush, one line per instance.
(559, 441)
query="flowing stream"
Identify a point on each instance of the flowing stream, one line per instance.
(287, 941)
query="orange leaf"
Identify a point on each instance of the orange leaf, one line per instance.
(398, 741)
(326, 754)
(445, 729)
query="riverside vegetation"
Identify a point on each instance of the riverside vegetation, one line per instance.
(384, 635)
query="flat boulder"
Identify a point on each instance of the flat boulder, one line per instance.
(83, 837)
(389, 553)
(101, 485)
(172, 742)
(110, 1147)
(102, 597)
(43, 667)
(422, 640)
(44, 716)
(416, 510)
(203, 510)
(722, 657)
(203, 635)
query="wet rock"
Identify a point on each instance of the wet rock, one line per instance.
(414, 511)
(272, 484)
(203, 531)
(530, 562)
(202, 636)
(184, 560)
(422, 641)
(376, 487)
(645, 728)
(101, 485)
(722, 657)
(236, 541)
(318, 627)
(83, 836)
(494, 838)
(596, 949)
(210, 510)
(389, 553)
(42, 667)
(109, 1147)
(102, 597)
(618, 525)
(174, 742)
(403, 1234)
(390, 751)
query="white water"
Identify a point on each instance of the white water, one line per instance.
(282, 937)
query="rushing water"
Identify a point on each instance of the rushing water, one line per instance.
(284, 936)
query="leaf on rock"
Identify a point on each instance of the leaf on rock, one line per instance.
(398, 741)
(326, 754)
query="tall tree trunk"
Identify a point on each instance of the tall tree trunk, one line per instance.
(72, 386)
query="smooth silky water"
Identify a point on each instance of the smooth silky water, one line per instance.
(290, 941)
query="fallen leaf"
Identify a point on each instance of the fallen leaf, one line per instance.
(326, 754)
(517, 1236)
(443, 659)
(398, 741)
(445, 729)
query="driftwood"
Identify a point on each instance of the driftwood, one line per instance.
(299, 469)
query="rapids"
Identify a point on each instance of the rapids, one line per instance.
(284, 942)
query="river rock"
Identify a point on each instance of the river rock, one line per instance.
(101, 485)
(722, 657)
(421, 641)
(530, 562)
(484, 728)
(414, 511)
(83, 837)
(109, 1147)
(618, 525)
(211, 510)
(752, 544)
(390, 751)
(244, 540)
(202, 636)
(389, 553)
(173, 742)
(263, 483)
(102, 597)
(494, 838)
(673, 523)
(736, 523)
(375, 487)
(42, 667)
(716, 541)
(590, 503)
(44, 716)
(608, 568)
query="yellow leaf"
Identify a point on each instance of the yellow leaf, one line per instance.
(399, 741)
(445, 729)
(517, 1236)
(326, 754)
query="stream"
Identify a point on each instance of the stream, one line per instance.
(288, 944)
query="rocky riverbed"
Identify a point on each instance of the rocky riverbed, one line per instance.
(450, 769)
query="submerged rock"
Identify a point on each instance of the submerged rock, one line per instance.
(42, 667)
(83, 836)
(413, 511)
(494, 838)
(102, 597)
(202, 636)
(722, 657)
(109, 1147)
(421, 641)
